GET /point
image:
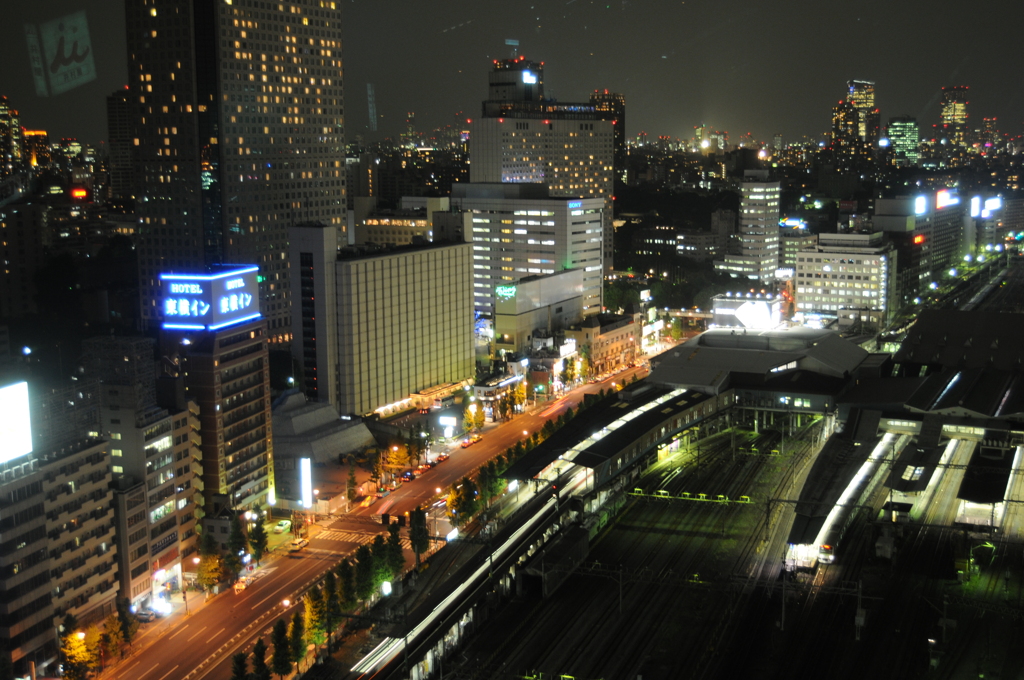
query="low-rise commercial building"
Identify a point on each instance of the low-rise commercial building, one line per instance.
(536, 306)
(612, 340)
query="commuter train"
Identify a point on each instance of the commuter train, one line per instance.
(816, 535)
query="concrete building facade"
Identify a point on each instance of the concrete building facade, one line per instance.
(519, 230)
(849, 277)
(388, 323)
(155, 463)
(758, 256)
(536, 306)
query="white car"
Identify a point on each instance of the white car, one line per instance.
(297, 544)
(282, 526)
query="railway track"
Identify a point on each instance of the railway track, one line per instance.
(673, 561)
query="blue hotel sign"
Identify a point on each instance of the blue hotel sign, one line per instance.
(210, 301)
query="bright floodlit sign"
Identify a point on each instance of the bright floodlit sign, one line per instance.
(306, 482)
(505, 292)
(60, 53)
(529, 78)
(210, 301)
(15, 427)
(944, 198)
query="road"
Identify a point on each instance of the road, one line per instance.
(200, 646)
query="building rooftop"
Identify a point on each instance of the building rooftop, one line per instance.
(368, 251)
(708, 360)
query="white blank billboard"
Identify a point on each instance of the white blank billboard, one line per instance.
(15, 427)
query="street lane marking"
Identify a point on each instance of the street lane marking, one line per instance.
(129, 668)
(300, 574)
(168, 673)
(179, 631)
(155, 666)
(197, 634)
(218, 633)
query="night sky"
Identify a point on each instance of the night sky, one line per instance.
(736, 65)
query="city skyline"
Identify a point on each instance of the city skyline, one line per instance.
(668, 83)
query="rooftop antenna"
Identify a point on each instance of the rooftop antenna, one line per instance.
(514, 44)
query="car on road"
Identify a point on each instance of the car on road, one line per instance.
(408, 475)
(475, 438)
(282, 526)
(297, 544)
(466, 443)
(442, 457)
(145, 615)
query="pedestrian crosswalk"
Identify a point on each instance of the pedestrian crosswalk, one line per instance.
(357, 537)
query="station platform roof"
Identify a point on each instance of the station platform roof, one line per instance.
(987, 475)
(604, 415)
(708, 361)
(905, 476)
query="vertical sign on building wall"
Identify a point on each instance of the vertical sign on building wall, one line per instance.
(306, 482)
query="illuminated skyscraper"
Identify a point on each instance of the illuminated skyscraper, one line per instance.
(846, 143)
(523, 137)
(904, 138)
(37, 148)
(861, 93)
(238, 133)
(759, 230)
(954, 114)
(10, 139)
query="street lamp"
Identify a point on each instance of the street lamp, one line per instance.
(438, 490)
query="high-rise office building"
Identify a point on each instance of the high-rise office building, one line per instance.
(59, 553)
(10, 139)
(155, 463)
(217, 337)
(845, 140)
(520, 230)
(954, 114)
(849, 277)
(931, 234)
(758, 256)
(37, 148)
(374, 326)
(119, 142)
(23, 253)
(861, 94)
(523, 137)
(238, 132)
(904, 137)
(612, 106)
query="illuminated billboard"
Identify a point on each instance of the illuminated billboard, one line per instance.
(746, 311)
(210, 301)
(15, 425)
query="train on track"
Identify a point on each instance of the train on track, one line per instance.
(839, 486)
